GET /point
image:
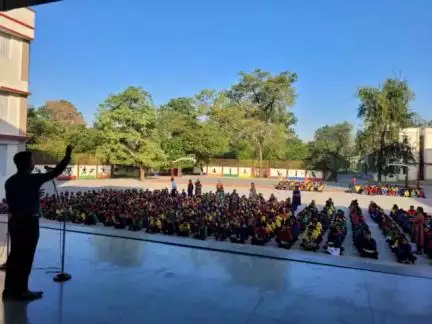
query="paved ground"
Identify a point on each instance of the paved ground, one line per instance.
(124, 281)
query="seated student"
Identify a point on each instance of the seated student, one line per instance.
(284, 237)
(201, 231)
(221, 231)
(184, 228)
(428, 241)
(136, 224)
(109, 220)
(368, 248)
(404, 251)
(260, 236)
(374, 212)
(310, 238)
(318, 226)
(154, 226)
(168, 226)
(119, 223)
(412, 211)
(334, 241)
(421, 193)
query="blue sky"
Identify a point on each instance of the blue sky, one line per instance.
(84, 51)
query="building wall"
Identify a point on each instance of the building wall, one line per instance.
(16, 34)
(428, 146)
(414, 135)
(11, 148)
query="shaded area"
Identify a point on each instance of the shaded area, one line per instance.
(180, 285)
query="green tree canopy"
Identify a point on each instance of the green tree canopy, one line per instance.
(385, 111)
(128, 123)
(331, 147)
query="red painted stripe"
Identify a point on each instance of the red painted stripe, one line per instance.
(15, 33)
(14, 91)
(16, 20)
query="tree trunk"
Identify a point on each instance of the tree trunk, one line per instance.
(380, 162)
(142, 174)
(260, 156)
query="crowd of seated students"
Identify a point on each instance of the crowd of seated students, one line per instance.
(417, 224)
(362, 237)
(389, 190)
(397, 241)
(239, 219)
(317, 186)
(314, 224)
(337, 231)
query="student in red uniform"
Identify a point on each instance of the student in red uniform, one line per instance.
(419, 222)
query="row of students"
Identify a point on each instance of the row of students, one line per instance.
(309, 185)
(388, 190)
(397, 241)
(418, 225)
(362, 236)
(315, 225)
(337, 234)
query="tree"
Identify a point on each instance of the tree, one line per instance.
(261, 101)
(184, 131)
(63, 111)
(128, 123)
(331, 147)
(385, 111)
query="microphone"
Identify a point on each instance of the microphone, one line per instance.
(48, 168)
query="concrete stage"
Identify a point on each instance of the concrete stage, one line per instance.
(119, 280)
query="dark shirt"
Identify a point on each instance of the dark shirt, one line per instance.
(369, 244)
(22, 190)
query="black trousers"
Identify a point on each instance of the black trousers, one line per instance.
(24, 236)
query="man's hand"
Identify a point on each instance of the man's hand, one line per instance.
(69, 150)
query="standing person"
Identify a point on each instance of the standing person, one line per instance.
(190, 188)
(22, 196)
(198, 188)
(296, 198)
(419, 222)
(173, 187)
(252, 191)
(353, 183)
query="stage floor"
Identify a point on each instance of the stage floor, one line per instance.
(118, 280)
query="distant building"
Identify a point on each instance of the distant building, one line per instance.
(16, 34)
(420, 141)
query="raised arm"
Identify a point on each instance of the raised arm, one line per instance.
(58, 170)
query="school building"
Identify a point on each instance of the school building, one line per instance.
(17, 28)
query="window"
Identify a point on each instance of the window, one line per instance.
(5, 46)
(3, 159)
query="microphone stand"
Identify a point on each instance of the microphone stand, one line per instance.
(62, 276)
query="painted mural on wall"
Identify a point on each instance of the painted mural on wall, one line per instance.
(277, 173)
(245, 172)
(230, 171)
(87, 171)
(314, 175)
(70, 173)
(298, 175)
(214, 171)
(103, 171)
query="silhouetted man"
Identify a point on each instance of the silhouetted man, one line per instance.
(22, 196)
